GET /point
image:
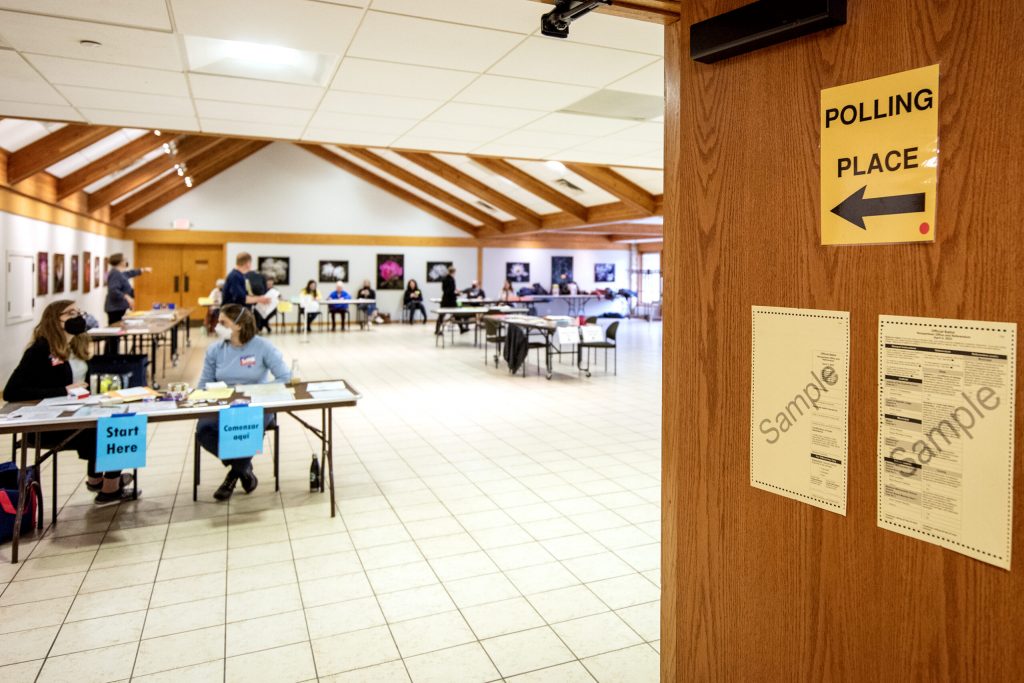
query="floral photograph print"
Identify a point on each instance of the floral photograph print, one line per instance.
(561, 269)
(96, 272)
(74, 273)
(436, 270)
(58, 273)
(277, 267)
(604, 272)
(390, 271)
(333, 271)
(516, 271)
(42, 273)
(86, 272)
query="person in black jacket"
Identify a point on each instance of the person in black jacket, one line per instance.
(53, 364)
(120, 294)
(413, 300)
(449, 299)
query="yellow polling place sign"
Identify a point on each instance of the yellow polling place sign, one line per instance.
(880, 159)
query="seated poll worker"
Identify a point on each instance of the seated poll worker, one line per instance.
(369, 310)
(238, 357)
(335, 309)
(413, 301)
(54, 363)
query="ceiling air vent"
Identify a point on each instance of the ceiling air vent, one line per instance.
(484, 205)
(568, 185)
(616, 104)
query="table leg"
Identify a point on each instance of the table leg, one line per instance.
(547, 353)
(20, 509)
(329, 458)
(323, 446)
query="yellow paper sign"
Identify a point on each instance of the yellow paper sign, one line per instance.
(880, 159)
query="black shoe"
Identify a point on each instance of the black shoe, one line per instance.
(96, 488)
(227, 487)
(117, 496)
(249, 480)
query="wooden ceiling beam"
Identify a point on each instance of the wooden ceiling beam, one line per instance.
(378, 182)
(47, 151)
(120, 158)
(473, 186)
(613, 183)
(639, 229)
(534, 186)
(187, 147)
(423, 185)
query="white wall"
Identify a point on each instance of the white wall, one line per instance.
(305, 260)
(540, 267)
(283, 188)
(27, 236)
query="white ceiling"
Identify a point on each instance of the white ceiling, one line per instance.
(453, 76)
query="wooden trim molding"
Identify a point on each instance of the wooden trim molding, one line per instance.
(20, 204)
(283, 236)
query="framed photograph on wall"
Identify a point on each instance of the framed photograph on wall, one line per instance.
(390, 271)
(96, 272)
(561, 269)
(86, 272)
(436, 270)
(277, 267)
(604, 272)
(517, 271)
(58, 273)
(333, 271)
(74, 273)
(42, 273)
(106, 268)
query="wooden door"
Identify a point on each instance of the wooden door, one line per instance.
(201, 266)
(163, 285)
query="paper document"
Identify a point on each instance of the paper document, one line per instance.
(211, 394)
(37, 413)
(335, 395)
(61, 401)
(154, 407)
(799, 404)
(945, 433)
(106, 330)
(100, 411)
(568, 336)
(262, 389)
(282, 397)
(326, 386)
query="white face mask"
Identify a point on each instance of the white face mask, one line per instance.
(222, 331)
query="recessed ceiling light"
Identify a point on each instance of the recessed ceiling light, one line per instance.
(90, 43)
(258, 60)
(156, 133)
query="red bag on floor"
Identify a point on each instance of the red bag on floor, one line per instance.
(9, 501)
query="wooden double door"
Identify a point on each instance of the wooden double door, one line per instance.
(181, 274)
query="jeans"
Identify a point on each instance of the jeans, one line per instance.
(263, 323)
(340, 312)
(414, 306)
(310, 317)
(113, 317)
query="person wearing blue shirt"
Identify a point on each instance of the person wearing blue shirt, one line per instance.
(338, 294)
(239, 357)
(237, 289)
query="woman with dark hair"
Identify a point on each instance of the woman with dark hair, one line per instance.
(413, 300)
(508, 292)
(120, 294)
(239, 357)
(54, 363)
(310, 299)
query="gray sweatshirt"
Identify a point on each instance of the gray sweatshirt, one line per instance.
(247, 364)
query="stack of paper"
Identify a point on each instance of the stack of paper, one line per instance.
(211, 394)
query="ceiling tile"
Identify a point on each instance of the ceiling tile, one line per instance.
(518, 17)
(650, 80)
(578, 124)
(141, 161)
(110, 117)
(622, 148)
(643, 132)
(589, 194)
(533, 138)
(357, 122)
(250, 128)
(498, 149)
(141, 13)
(604, 158)
(551, 60)
(378, 105)
(456, 131)
(403, 80)
(314, 26)
(253, 113)
(118, 45)
(652, 181)
(94, 98)
(432, 144)
(19, 81)
(349, 137)
(62, 71)
(252, 91)
(624, 34)
(430, 43)
(39, 111)
(523, 93)
(478, 114)
(16, 133)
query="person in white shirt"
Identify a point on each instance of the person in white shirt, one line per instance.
(265, 312)
(213, 310)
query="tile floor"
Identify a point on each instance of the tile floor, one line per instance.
(491, 528)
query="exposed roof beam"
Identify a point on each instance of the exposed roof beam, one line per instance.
(640, 229)
(419, 183)
(47, 151)
(533, 186)
(473, 186)
(597, 215)
(121, 157)
(375, 180)
(633, 238)
(613, 183)
(205, 169)
(187, 146)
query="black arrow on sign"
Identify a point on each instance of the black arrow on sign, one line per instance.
(855, 207)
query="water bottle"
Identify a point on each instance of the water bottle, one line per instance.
(314, 474)
(296, 373)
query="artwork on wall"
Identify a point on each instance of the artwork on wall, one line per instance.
(42, 273)
(516, 271)
(604, 272)
(561, 269)
(96, 272)
(86, 272)
(106, 269)
(436, 270)
(277, 267)
(333, 271)
(390, 271)
(58, 273)
(74, 273)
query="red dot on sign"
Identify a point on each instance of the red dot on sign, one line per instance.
(924, 228)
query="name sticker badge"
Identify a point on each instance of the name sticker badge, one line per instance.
(240, 432)
(55, 361)
(121, 442)
(248, 361)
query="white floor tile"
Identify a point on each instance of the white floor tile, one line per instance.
(355, 650)
(466, 663)
(638, 663)
(501, 618)
(426, 634)
(524, 651)
(594, 635)
(287, 664)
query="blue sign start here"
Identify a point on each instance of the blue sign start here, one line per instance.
(120, 442)
(240, 432)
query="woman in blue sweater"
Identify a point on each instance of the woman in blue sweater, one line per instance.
(240, 357)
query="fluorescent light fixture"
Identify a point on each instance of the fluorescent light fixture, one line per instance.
(157, 133)
(556, 166)
(242, 59)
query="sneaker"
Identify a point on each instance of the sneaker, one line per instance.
(379, 320)
(249, 480)
(117, 496)
(126, 479)
(227, 487)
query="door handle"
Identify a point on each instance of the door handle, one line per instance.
(186, 282)
(175, 284)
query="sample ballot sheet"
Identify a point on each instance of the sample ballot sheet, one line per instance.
(945, 433)
(798, 404)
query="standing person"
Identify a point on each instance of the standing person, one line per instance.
(257, 282)
(309, 304)
(339, 294)
(449, 299)
(54, 363)
(366, 292)
(236, 286)
(266, 312)
(239, 357)
(413, 300)
(120, 294)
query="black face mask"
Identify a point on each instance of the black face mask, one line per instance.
(75, 326)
